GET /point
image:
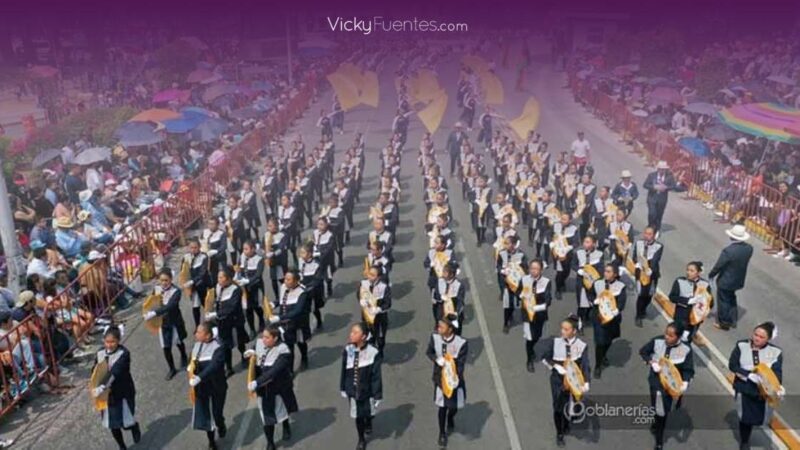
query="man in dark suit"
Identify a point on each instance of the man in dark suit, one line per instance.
(730, 272)
(658, 185)
(454, 142)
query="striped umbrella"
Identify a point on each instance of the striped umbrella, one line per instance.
(769, 120)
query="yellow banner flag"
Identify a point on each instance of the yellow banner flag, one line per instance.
(527, 121)
(345, 90)
(369, 91)
(432, 115)
(476, 63)
(352, 72)
(492, 88)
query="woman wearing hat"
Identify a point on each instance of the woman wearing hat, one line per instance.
(361, 383)
(625, 193)
(446, 348)
(69, 241)
(173, 330)
(752, 408)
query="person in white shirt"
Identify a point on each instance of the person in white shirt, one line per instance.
(94, 181)
(580, 151)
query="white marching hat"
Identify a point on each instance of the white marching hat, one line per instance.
(662, 165)
(625, 174)
(738, 232)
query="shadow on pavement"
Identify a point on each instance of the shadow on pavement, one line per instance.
(399, 353)
(393, 423)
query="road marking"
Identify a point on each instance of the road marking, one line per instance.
(721, 378)
(505, 407)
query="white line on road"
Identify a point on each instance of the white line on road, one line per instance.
(505, 407)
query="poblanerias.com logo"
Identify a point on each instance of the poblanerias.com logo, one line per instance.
(379, 23)
(623, 415)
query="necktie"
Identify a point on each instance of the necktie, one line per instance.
(356, 358)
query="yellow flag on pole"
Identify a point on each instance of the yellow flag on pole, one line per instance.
(492, 88)
(369, 91)
(431, 115)
(528, 120)
(346, 91)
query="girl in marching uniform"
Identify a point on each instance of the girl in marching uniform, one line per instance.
(209, 384)
(118, 415)
(605, 333)
(173, 330)
(377, 258)
(287, 221)
(543, 226)
(380, 234)
(648, 249)
(622, 225)
(229, 316)
(360, 382)
(217, 242)
(746, 356)
(599, 213)
(668, 346)
(565, 347)
(566, 230)
(234, 221)
(446, 348)
(311, 274)
(273, 384)
(684, 295)
(250, 208)
(451, 289)
(275, 247)
(510, 255)
(250, 278)
(539, 290)
(336, 223)
(324, 243)
(346, 202)
(199, 278)
(480, 195)
(373, 290)
(290, 309)
(587, 255)
(439, 252)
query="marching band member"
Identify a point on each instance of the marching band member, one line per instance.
(311, 274)
(647, 257)
(535, 292)
(606, 332)
(601, 214)
(215, 239)
(480, 197)
(229, 316)
(620, 227)
(509, 259)
(119, 413)
(588, 255)
(375, 298)
(685, 294)
(566, 233)
(500, 208)
(208, 381)
(678, 353)
(566, 347)
(173, 330)
(584, 201)
(287, 221)
(449, 289)
(380, 234)
(360, 381)
(334, 214)
(390, 211)
(250, 208)
(625, 193)
(324, 243)
(377, 258)
(275, 247)
(199, 278)
(234, 222)
(436, 259)
(274, 384)
(250, 278)
(746, 356)
(346, 202)
(543, 223)
(290, 309)
(449, 353)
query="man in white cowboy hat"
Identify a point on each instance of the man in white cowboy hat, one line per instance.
(454, 141)
(658, 185)
(730, 272)
(68, 240)
(625, 193)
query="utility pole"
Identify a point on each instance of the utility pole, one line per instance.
(8, 236)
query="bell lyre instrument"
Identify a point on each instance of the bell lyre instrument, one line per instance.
(573, 379)
(607, 308)
(100, 376)
(369, 311)
(670, 377)
(151, 303)
(590, 275)
(251, 374)
(450, 378)
(770, 387)
(702, 307)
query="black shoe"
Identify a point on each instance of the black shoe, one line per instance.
(560, 441)
(505, 329)
(558, 295)
(270, 446)
(171, 374)
(304, 363)
(229, 373)
(136, 432)
(362, 445)
(368, 429)
(245, 362)
(451, 425)
(659, 447)
(442, 440)
(212, 445)
(606, 363)
(598, 372)
(287, 431)
(184, 362)
(653, 428)
(531, 367)
(222, 431)
(638, 322)
(319, 326)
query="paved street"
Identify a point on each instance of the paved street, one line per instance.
(507, 407)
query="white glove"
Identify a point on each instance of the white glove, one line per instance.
(692, 301)
(364, 303)
(274, 319)
(781, 392)
(376, 403)
(244, 281)
(649, 272)
(343, 394)
(540, 308)
(249, 353)
(210, 316)
(213, 252)
(149, 315)
(655, 366)
(251, 386)
(754, 377)
(560, 369)
(596, 301)
(684, 386)
(549, 244)
(585, 387)
(638, 266)
(623, 271)
(270, 254)
(98, 391)
(581, 272)
(188, 284)
(194, 381)
(440, 361)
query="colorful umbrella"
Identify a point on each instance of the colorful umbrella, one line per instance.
(184, 123)
(769, 120)
(45, 156)
(154, 115)
(663, 95)
(694, 145)
(92, 155)
(219, 90)
(171, 95)
(720, 132)
(706, 109)
(134, 134)
(209, 130)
